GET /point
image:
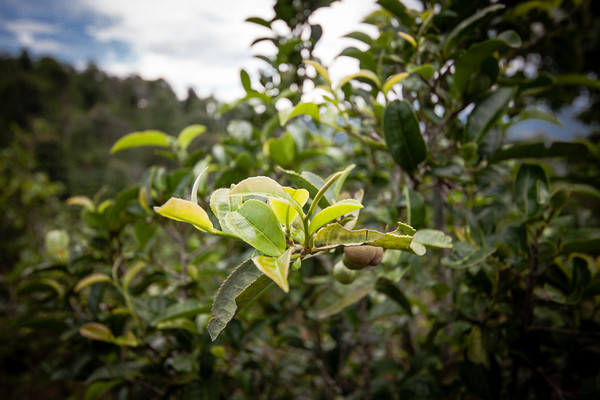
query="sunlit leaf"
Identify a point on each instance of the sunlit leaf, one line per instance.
(332, 212)
(282, 150)
(256, 224)
(408, 38)
(265, 187)
(392, 80)
(284, 212)
(188, 134)
(310, 109)
(139, 139)
(276, 268)
(221, 205)
(186, 211)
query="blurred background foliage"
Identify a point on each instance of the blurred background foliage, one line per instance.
(102, 298)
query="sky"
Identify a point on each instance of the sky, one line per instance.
(201, 44)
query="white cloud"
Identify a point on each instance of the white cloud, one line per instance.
(31, 34)
(204, 44)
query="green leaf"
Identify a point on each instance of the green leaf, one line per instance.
(530, 180)
(97, 389)
(403, 135)
(187, 308)
(246, 83)
(476, 351)
(186, 211)
(282, 150)
(332, 212)
(276, 268)
(132, 272)
(310, 109)
(91, 280)
(309, 181)
(486, 113)
(337, 188)
(397, 8)
(354, 293)
(470, 62)
(243, 285)
(96, 331)
(465, 255)
(433, 238)
(259, 21)
(320, 69)
(128, 340)
(334, 235)
(256, 224)
(265, 187)
(425, 70)
(394, 240)
(390, 289)
(363, 73)
(577, 80)
(392, 80)
(466, 24)
(408, 38)
(139, 139)
(188, 134)
(285, 213)
(221, 204)
(569, 150)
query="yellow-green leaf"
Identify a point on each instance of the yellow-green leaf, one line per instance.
(96, 331)
(276, 268)
(363, 73)
(408, 38)
(332, 212)
(90, 280)
(188, 134)
(392, 80)
(139, 139)
(320, 69)
(265, 187)
(310, 109)
(186, 211)
(284, 212)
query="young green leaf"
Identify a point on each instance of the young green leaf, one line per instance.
(265, 187)
(320, 69)
(363, 73)
(467, 24)
(309, 181)
(392, 80)
(282, 150)
(332, 212)
(188, 134)
(310, 109)
(186, 211)
(433, 238)
(256, 224)
(276, 268)
(96, 331)
(285, 213)
(138, 139)
(221, 205)
(91, 280)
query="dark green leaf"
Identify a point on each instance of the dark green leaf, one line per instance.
(403, 135)
(486, 113)
(530, 181)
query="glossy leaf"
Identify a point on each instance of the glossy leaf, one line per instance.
(186, 211)
(256, 224)
(242, 286)
(284, 212)
(528, 189)
(408, 38)
(466, 24)
(486, 113)
(276, 268)
(332, 212)
(310, 182)
(265, 187)
(310, 109)
(221, 205)
(139, 139)
(188, 134)
(403, 135)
